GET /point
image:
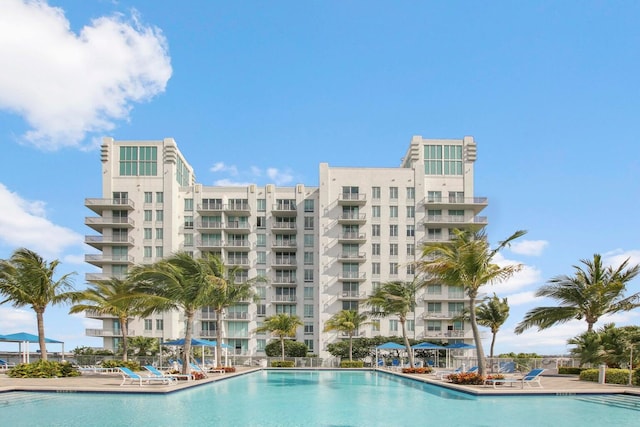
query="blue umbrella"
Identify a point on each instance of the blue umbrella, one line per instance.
(26, 338)
(390, 346)
(461, 346)
(427, 346)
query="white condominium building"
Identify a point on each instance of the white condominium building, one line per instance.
(321, 249)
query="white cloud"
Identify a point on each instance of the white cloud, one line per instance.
(23, 224)
(231, 183)
(547, 341)
(522, 298)
(528, 275)
(256, 171)
(279, 177)
(618, 256)
(66, 85)
(16, 320)
(221, 167)
(529, 247)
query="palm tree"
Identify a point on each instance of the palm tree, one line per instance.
(346, 321)
(115, 297)
(594, 291)
(282, 325)
(467, 261)
(492, 313)
(227, 295)
(396, 298)
(180, 282)
(26, 279)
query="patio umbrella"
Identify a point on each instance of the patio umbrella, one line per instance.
(389, 346)
(198, 342)
(457, 346)
(428, 346)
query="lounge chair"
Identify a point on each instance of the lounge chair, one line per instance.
(156, 373)
(530, 378)
(129, 375)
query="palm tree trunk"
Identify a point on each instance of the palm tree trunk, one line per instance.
(406, 341)
(476, 336)
(493, 341)
(41, 336)
(125, 347)
(218, 338)
(282, 345)
(187, 341)
(350, 346)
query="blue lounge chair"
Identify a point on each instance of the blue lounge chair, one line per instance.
(530, 378)
(156, 373)
(129, 375)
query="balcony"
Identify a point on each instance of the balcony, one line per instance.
(237, 316)
(284, 244)
(210, 207)
(352, 295)
(352, 218)
(352, 276)
(238, 245)
(237, 262)
(209, 225)
(351, 199)
(101, 205)
(476, 204)
(284, 227)
(100, 259)
(92, 314)
(283, 299)
(442, 315)
(454, 220)
(100, 242)
(284, 262)
(103, 277)
(452, 296)
(284, 280)
(101, 222)
(352, 257)
(210, 243)
(238, 207)
(352, 237)
(107, 332)
(284, 209)
(237, 226)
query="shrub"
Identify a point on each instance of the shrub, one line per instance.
(227, 369)
(612, 376)
(43, 369)
(351, 364)
(466, 378)
(110, 363)
(282, 363)
(567, 370)
(421, 370)
(291, 349)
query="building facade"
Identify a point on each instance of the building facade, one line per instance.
(320, 249)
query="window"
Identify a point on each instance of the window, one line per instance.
(159, 324)
(138, 161)
(148, 324)
(159, 233)
(375, 325)
(309, 206)
(261, 272)
(261, 310)
(411, 249)
(456, 197)
(308, 292)
(159, 252)
(375, 268)
(411, 211)
(411, 230)
(411, 269)
(308, 328)
(375, 249)
(308, 258)
(188, 222)
(443, 159)
(148, 215)
(434, 325)
(308, 310)
(455, 292)
(375, 193)
(350, 193)
(308, 240)
(262, 257)
(434, 233)
(375, 230)
(434, 307)
(159, 197)
(261, 240)
(434, 196)
(261, 205)
(393, 230)
(289, 309)
(188, 240)
(393, 325)
(393, 249)
(393, 268)
(375, 211)
(434, 289)
(411, 325)
(159, 215)
(456, 308)
(261, 292)
(148, 252)
(261, 221)
(148, 197)
(188, 205)
(308, 275)
(308, 223)
(350, 305)
(261, 344)
(411, 193)
(456, 215)
(393, 193)
(120, 197)
(148, 233)
(309, 344)
(393, 212)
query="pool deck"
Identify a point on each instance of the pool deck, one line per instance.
(110, 383)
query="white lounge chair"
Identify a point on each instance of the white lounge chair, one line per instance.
(129, 375)
(530, 378)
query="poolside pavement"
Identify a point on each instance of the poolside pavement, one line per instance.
(110, 382)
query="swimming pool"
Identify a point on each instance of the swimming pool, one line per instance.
(312, 398)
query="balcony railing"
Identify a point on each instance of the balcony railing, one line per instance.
(352, 235)
(352, 275)
(107, 332)
(283, 298)
(237, 316)
(99, 258)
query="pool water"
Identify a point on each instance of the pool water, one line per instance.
(314, 398)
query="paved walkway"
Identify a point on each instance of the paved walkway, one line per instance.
(110, 382)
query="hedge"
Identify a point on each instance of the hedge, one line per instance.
(612, 376)
(351, 364)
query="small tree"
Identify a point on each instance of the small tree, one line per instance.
(346, 321)
(492, 313)
(282, 325)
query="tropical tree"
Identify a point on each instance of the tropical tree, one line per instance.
(396, 298)
(594, 291)
(347, 321)
(116, 297)
(180, 282)
(492, 313)
(467, 260)
(229, 293)
(26, 279)
(282, 325)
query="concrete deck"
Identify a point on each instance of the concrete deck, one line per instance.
(110, 383)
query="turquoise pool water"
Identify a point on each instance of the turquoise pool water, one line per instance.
(313, 398)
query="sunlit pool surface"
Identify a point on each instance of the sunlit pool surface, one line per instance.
(314, 398)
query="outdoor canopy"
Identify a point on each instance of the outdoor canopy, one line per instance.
(199, 342)
(26, 338)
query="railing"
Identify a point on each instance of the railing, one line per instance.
(352, 275)
(108, 258)
(457, 200)
(108, 202)
(107, 332)
(285, 261)
(281, 225)
(108, 239)
(355, 197)
(210, 224)
(286, 207)
(353, 216)
(108, 220)
(237, 316)
(210, 207)
(285, 280)
(285, 244)
(283, 298)
(352, 235)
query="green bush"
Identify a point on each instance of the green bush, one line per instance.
(131, 364)
(282, 363)
(612, 376)
(43, 369)
(351, 364)
(291, 349)
(566, 370)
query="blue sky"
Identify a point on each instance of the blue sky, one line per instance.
(261, 92)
